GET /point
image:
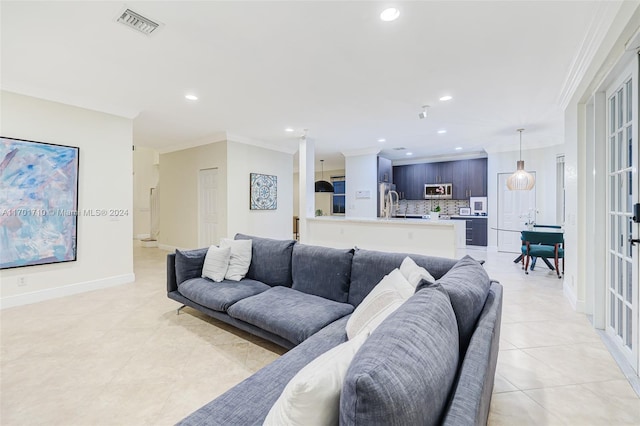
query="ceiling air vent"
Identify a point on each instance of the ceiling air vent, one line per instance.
(137, 22)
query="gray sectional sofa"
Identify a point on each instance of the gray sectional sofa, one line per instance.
(432, 361)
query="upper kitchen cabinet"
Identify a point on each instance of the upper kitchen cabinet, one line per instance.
(477, 177)
(439, 172)
(409, 181)
(385, 170)
(469, 178)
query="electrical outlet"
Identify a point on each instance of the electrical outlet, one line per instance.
(22, 281)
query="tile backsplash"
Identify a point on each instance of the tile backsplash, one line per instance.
(422, 207)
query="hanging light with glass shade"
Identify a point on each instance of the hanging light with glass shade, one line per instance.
(521, 180)
(323, 185)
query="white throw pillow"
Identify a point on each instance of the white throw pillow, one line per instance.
(385, 298)
(312, 397)
(240, 258)
(216, 263)
(414, 273)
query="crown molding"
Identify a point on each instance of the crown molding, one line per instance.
(214, 138)
(357, 152)
(66, 99)
(288, 147)
(595, 34)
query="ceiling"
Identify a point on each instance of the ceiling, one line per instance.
(332, 67)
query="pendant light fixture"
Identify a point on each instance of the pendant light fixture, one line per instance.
(521, 179)
(323, 185)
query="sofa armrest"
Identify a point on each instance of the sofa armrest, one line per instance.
(172, 284)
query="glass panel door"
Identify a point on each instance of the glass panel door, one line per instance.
(622, 263)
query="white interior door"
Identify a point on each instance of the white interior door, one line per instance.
(622, 188)
(208, 207)
(515, 210)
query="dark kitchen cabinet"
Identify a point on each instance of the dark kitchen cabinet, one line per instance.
(477, 177)
(476, 230)
(409, 181)
(415, 178)
(400, 180)
(469, 178)
(459, 180)
(439, 172)
(385, 170)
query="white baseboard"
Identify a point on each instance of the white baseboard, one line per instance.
(67, 290)
(570, 295)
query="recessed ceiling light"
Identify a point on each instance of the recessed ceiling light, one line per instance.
(446, 98)
(382, 140)
(442, 131)
(409, 153)
(288, 129)
(390, 14)
(458, 148)
(191, 97)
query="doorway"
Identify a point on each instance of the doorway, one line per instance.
(207, 207)
(622, 192)
(515, 210)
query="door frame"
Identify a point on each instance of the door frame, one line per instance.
(597, 183)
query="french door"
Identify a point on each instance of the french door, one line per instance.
(622, 253)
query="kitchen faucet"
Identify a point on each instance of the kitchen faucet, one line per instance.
(389, 203)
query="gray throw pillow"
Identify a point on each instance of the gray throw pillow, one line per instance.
(189, 264)
(270, 260)
(467, 284)
(404, 372)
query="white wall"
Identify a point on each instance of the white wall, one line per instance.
(105, 252)
(145, 176)
(242, 160)
(543, 162)
(179, 193)
(361, 175)
(577, 234)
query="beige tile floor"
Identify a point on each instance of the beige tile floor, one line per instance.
(121, 356)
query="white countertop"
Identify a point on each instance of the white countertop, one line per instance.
(468, 216)
(383, 221)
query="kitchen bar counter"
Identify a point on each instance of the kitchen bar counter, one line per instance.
(444, 238)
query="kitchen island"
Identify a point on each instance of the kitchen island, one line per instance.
(444, 238)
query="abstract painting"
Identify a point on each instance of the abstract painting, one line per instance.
(38, 203)
(264, 192)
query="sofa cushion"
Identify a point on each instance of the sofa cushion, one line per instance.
(189, 264)
(219, 296)
(288, 313)
(216, 263)
(468, 286)
(270, 260)
(312, 397)
(386, 297)
(322, 271)
(369, 267)
(403, 373)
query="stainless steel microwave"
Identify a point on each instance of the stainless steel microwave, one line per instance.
(441, 191)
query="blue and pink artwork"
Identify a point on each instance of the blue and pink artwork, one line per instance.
(38, 203)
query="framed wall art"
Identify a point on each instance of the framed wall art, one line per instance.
(264, 192)
(38, 203)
